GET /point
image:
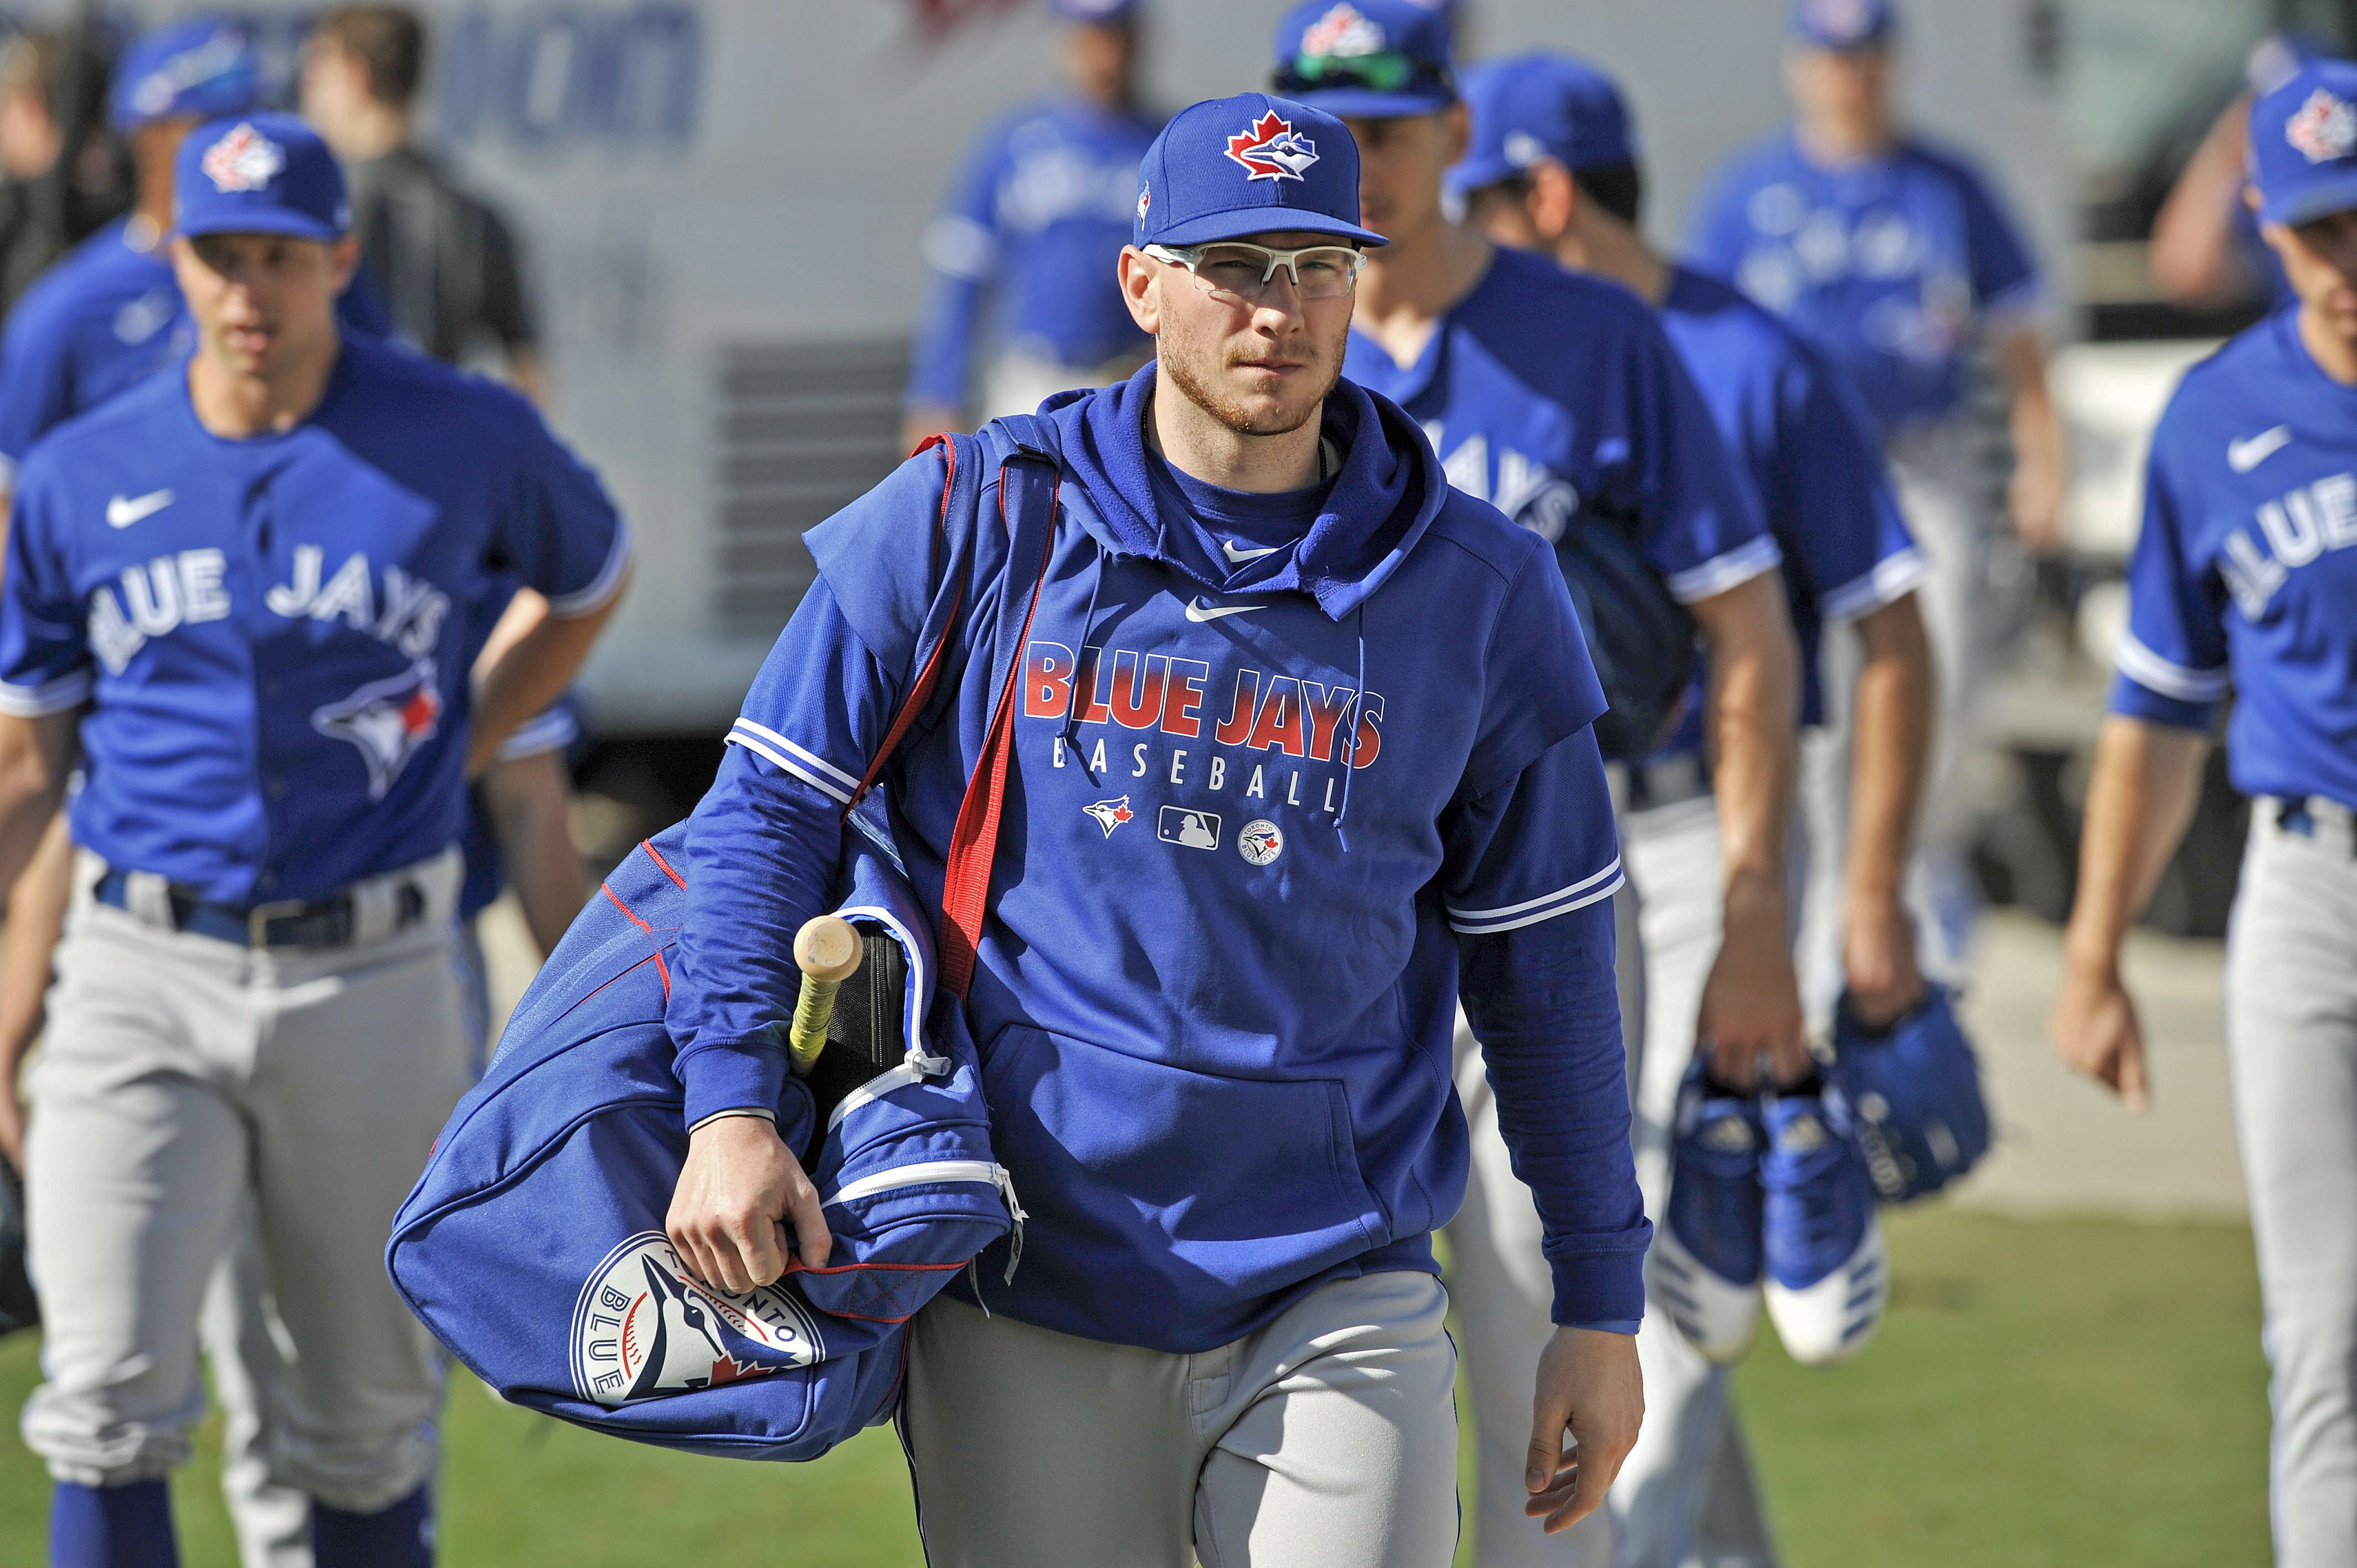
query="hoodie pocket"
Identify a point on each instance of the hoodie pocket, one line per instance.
(1161, 1193)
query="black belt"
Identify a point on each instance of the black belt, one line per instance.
(308, 923)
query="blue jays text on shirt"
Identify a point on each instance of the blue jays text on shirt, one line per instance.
(1278, 717)
(2286, 534)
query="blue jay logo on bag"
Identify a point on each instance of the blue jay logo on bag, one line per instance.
(643, 1328)
(1270, 149)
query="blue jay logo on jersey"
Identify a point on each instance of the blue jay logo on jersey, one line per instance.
(1110, 814)
(245, 159)
(643, 1328)
(388, 721)
(2324, 129)
(1269, 149)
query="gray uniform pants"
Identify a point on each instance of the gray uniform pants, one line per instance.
(1327, 1439)
(2291, 1034)
(182, 1076)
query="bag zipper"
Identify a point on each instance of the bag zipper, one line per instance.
(916, 1069)
(929, 1171)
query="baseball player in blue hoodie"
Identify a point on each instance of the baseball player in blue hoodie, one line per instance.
(1553, 168)
(2241, 581)
(1303, 748)
(248, 592)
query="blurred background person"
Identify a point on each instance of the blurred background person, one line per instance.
(1023, 250)
(446, 260)
(2205, 252)
(52, 95)
(1897, 261)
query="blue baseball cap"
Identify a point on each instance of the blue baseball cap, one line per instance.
(259, 174)
(195, 70)
(1376, 60)
(1843, 23)
(2304, 144)
(1097, 13)
(1250, 165)
(1541, 105)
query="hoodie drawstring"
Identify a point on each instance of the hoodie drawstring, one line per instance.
(1072, 735)
(1350, 746)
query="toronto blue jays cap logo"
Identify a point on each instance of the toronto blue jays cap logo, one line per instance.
(1270, 148)
(1341, 32)
(244, 160)
(2324, 129)
(643, 1328)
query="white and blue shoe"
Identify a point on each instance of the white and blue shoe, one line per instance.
(1707, 1256)
(1827, 1276)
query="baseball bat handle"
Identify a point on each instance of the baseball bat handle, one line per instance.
(827, 949)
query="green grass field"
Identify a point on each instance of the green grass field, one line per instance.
(2042, 1393)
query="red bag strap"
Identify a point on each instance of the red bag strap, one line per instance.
(930, 675)
(974, 842)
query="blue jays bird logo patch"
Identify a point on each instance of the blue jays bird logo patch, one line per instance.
(1110, 814)
(1270, 149)
(387, 721)
(245, 159)
(642, 1328)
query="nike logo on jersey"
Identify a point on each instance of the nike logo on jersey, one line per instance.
(1238, 557)
(1197, 610)
(2253, 450)
(125, 511)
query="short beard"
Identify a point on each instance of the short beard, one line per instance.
(1230, 411)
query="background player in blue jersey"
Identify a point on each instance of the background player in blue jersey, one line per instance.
(1023, 301)
(1553, 168)
(1894, 258)
(244, 594)
(2243, 581)
(1303, 745)
(1559, 398)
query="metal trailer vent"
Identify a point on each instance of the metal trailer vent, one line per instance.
(805, 428)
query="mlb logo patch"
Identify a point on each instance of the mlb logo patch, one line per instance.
(2324, 129)
(245, 159)
(1269, 149)
(1192, 829)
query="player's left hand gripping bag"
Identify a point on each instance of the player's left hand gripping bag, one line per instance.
(533, 1245)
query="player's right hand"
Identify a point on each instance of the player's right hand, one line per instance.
(1750, 1020)
(2094, 1027)
(739, 1182)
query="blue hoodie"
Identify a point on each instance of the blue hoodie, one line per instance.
(1260, 811)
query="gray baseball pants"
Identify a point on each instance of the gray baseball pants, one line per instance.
(1327, 1439)
(2291, 1037)
(182, 1076)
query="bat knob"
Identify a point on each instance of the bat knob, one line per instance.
(827, 949)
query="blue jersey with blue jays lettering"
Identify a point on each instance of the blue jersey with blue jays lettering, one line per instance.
(2244, 575)
(1809, 452)
(1024, 250)
(107, 316)
(1890, 264)
(1557, 398)
(274, 636)
(1264, 788)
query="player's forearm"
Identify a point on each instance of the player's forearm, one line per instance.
(36, 917)
(1893, 703)
(1542, 1002)
(2037, 427)
(35, 756)
(1750, 718)
(2192, 257)
(527, 678)
(528, 798)
(2141, 793)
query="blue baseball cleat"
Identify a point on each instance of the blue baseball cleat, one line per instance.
(1707, 1256)
(1827, 1277)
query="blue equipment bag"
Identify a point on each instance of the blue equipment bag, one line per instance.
(1916, 1087)
(533, 1245)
